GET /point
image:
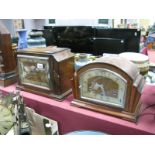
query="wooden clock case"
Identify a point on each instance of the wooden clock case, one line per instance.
(52, 70)
(134, 86)
(7, 60)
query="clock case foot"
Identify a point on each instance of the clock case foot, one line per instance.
(58, 97)
(133, 117)
(8, 79)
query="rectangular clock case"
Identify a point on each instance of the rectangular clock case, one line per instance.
(7, 58)
(46, 71)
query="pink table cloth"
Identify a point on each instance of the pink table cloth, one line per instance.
(73, 119)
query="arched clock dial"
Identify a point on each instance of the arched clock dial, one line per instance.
(6, 120)
(103, 86)
(111, 85)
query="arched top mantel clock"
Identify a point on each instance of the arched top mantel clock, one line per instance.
(111, 85)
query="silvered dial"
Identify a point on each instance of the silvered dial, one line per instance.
(34, 71)
(103, 86)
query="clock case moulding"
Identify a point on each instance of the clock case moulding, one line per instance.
(134, 85)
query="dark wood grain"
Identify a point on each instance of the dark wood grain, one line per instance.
(8, 62)
(61, 69)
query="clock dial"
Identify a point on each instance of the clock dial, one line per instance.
(103, 86)
(34, 71)
(6, 121)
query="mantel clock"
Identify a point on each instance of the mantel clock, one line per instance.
(111, 85)
(46, 71)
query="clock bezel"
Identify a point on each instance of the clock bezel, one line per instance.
(104, 102)
(45, 58)
(96, 65)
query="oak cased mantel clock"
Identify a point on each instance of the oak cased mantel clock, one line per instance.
(111, 85)
(46, 71)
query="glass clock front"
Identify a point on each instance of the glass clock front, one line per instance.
(103, 86)
(34, 71)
